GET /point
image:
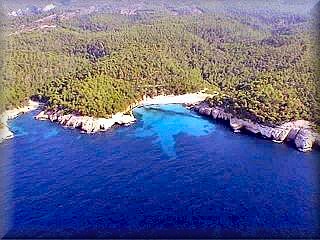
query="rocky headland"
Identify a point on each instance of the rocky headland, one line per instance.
(85, 123)
(300, 132)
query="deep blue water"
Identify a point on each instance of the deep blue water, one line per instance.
(172, 174)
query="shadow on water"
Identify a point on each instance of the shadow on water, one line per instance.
(5, 189)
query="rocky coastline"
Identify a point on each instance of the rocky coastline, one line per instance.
(300, 132)
(92, 125)
(5, 132)
(85, 123)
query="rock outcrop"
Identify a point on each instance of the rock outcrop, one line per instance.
(91, 125)
(300, 132)
(85, 123)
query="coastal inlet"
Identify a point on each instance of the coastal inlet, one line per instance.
(301, 133)
(173, 173)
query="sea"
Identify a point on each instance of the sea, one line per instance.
(172, 174)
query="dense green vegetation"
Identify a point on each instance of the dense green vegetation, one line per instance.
(260, 63)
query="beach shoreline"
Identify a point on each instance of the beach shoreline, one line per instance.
(5, 132)
(188, 99)
(300, 132)
(88, 124)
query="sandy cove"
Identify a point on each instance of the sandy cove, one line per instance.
(189, 99)
(300, 132)
(89, 124)
(5, 132)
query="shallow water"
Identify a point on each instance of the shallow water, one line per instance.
(172, 174)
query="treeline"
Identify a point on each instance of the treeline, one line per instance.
(262, 66)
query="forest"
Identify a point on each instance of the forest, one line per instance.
(260, 64)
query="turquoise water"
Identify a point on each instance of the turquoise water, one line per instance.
(172, 174)
(166, 122)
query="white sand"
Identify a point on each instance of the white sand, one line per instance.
(189, 98)
(5, 132)
(120, 118)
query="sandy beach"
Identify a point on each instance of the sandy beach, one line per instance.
(5, 132)
(90, 124)
(189, 98)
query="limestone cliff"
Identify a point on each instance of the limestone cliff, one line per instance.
(85, 123)
(300, 132)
